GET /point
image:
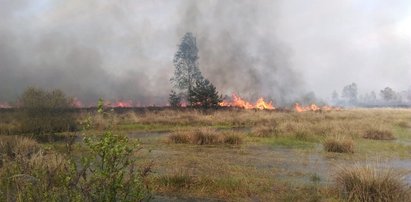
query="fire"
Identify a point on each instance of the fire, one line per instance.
(237, 101)
(123, 104)
(4, 105)
(314, 108)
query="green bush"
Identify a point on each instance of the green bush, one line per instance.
(46, 112)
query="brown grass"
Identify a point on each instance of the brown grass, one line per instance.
(17, 146)
(368, 183)
(339, 144)
(264, 131)
(379, 134)
(205, 136)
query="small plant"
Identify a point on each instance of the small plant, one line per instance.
(379, 134)
(339, 145)
(369, 183)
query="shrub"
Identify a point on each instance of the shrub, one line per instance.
(205, 136)
(339, 145)
(368, 183)
(379, 134)
(46, 112)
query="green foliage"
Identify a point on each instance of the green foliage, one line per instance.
(174, 99)
(204, 95)
(107, 172)
(46, 112)
(111, 172)
(110, 169)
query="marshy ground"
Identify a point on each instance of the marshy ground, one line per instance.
(247, 155)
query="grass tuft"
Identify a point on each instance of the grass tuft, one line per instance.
(339, 145)
(379, 134)
(368, 183)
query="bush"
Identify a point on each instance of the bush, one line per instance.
(379, 134)
(368, 183)
(339, 145)
(46, 112)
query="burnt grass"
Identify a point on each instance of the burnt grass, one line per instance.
(202, 155)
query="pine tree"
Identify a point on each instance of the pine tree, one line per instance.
(204, 95)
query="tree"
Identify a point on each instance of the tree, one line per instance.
(174, 99)
(409, 94)
(46, 112)
(334, 96)
(185, 61)
(388, 94)
(350, 92)
(204, 95)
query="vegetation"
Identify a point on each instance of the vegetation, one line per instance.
(228, 155)
(379, 134)
(370, 183)
(339, 145)
(46, 112)
(204, 95)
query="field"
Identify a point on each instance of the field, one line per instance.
(257, 155)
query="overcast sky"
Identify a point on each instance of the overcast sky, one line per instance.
(278, 49)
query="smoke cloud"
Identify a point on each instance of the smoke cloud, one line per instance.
(276, 49)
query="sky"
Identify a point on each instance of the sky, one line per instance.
(278, 49)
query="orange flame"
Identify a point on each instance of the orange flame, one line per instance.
(237, 101)
(123, 104)
(314, 108)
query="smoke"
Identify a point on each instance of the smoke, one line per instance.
(276, 49)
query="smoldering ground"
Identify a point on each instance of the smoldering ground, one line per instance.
(124, 50)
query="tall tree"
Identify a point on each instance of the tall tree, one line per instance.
(185, 61)
(388, 94)
(350, 92)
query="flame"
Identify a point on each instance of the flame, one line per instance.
(4, 105)
(77, 103)
(123, 104)
(237, 101)
(314, 108)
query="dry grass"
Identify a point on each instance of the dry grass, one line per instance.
(368, 183)
(264, 131)
(16, 146)
(339, 144)
(379, 134)
(205, 136)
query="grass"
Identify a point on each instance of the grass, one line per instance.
(368, 183)
(379, 134)
(205, 136)
(278, 155)
(339, 144)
